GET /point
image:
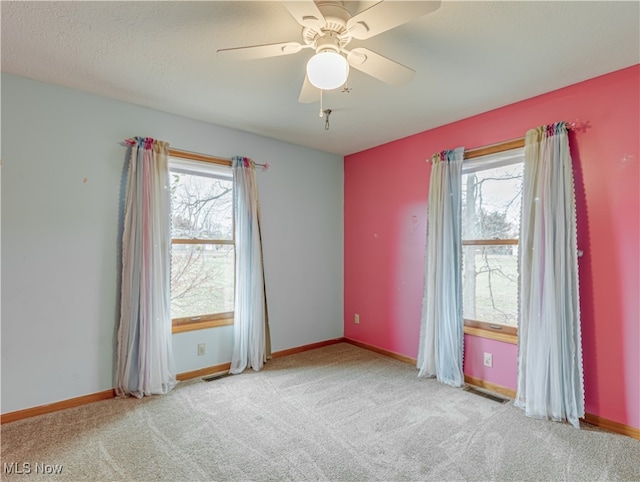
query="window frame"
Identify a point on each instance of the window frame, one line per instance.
(484, 329)
(204, 321)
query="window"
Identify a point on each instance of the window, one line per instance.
(491, 200)
(202, 245)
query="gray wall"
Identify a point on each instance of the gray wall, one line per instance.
(62, 186)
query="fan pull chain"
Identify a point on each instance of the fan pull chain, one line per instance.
(323, 113)
(345, 88)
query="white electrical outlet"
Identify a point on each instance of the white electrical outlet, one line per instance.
(488, 360)
(201, 349)
(356, 319)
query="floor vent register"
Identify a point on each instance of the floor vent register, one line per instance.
(482, 393)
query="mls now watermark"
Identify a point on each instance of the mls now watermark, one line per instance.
(26, 468)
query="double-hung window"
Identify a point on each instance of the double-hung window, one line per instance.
(491, 205)
(202, 245)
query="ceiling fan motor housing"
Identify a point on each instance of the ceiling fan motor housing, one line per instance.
(332, 34)
(328, 41)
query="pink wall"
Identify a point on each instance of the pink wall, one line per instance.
(504, 371)
(385, 202)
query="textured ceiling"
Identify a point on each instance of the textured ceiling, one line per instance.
(469, 57)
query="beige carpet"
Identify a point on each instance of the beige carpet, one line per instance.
(337, 413)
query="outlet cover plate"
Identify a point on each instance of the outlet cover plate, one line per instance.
(488, 360)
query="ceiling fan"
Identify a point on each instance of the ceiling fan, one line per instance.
(327, 28)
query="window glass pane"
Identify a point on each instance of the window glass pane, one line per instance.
(201, 207)
(491, 203)
(490, 284)
(202, 279)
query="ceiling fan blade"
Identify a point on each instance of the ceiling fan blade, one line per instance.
(306, 13)
(308, 93)
(379, 67)
(261, 51)
(384, 16)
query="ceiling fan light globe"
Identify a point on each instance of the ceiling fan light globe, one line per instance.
(327, 70)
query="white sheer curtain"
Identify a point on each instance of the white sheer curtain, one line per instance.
(145, 357)
(441, 331)
(251, 345)
(550, 384)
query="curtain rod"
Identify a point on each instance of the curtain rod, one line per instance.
(195, 156)
(500, 146)
(206, 158)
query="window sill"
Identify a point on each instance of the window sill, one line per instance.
(201, 325)
(491, 334)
